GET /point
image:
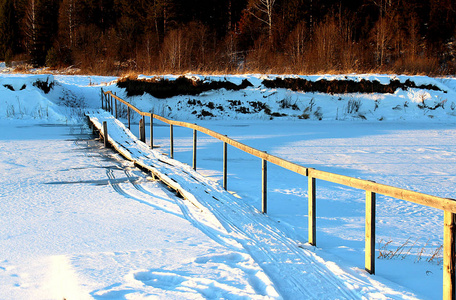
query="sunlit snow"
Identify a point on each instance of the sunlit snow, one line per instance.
(79, 222)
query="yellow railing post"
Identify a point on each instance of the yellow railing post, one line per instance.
(151, 131)
(448, 255)
(370, 233)
(225, 165)
(312, 211)
(194, 149)
(105, 134)
(171, 141)
(264, 186)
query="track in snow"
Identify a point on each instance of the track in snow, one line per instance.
(296, 272)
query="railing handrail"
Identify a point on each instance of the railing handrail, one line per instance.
(372, 188)
(445, 204)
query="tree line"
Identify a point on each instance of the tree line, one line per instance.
(283, 36)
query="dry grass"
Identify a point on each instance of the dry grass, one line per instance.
(410, 249)
(266, 63)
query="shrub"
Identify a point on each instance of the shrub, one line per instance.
(353, 106)
(45, 86)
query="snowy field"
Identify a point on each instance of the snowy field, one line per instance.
(73, 226)
(77, 221)
(416, 156)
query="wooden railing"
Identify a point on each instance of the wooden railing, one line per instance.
(371, 188)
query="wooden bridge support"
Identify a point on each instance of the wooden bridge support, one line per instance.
(370, 233)
(449, 230)
(312, 213)
(194, 149)
(264, 186)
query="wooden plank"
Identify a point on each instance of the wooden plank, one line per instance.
(126, 103)
(260, 154)
(312, 211)
(370, 233)
(395, 192)
(449, 221)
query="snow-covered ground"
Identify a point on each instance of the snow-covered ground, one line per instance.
(78, 220)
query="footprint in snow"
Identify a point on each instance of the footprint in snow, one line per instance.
(160, 279)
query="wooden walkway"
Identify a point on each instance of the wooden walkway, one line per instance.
(295, 269)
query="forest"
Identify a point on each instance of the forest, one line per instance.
(231, 36)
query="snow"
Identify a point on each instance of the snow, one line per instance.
(413, 104)
(78, 221)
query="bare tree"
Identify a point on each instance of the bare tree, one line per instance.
(172, 55)
(382, 29)
(67, 21)
(262, 10)
(31, 30)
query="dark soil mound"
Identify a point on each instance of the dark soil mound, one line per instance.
(164, 88)
(343, 86)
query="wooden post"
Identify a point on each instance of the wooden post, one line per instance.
(101, 94)
(115, 100)
(369, 254)
(128, 117)
(151, 131)
(264, 186)
(91, 126)
(105, 134)
(225, 165)
(312, 208)
(89, 123)
(194, 148)
(115, 104)
(112, 106)
(171, 141)
(142, 130)
(449, 255)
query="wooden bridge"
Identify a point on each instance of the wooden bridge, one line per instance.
(111, 103)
